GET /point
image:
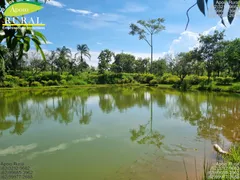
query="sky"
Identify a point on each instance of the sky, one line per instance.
(104, 24)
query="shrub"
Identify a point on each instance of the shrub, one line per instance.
(153, 82)
(183, 86)
(224, 81)
(63, 82)
(193, 79)
(36, 84)
(52, 83)
(46, 76)
(235, 88)
(12, 79)
(23, 83)
(8, 84)
(169, 79)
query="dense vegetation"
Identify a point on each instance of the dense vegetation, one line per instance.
(213, 65)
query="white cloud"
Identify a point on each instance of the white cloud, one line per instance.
(80, 11)
(48, 42)
(100, 21)
(133, 8)
(99, 43)
(95, 15)
(17, 149)
(188, 40)
(54, 3)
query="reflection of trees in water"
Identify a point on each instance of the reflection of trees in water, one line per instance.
(145, 135)
(14, 114)
(210, 112)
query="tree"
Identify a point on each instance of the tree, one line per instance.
(64, 55)
(37, 65)
(150, 27)
(51, 58)
(83, 50)
(183, 65)
(105, 58)
(159, 67)
(3, 53)
(209, 46)
(233, 57)
(141, 65)
(123, 63)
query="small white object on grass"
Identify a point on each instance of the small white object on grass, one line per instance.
(219, 149)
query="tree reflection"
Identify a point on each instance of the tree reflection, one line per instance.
(213, 114)
(145, 133)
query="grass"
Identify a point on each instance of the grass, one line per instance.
(228, 170)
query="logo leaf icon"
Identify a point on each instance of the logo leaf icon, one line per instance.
(22, 8)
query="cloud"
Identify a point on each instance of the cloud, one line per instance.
(50, 150)
(133, 8)
(54, 3)
(48, 42)
(17, 149)
(95, 15)
(188, 40)
(63, 146)
(80, 11)
(102, 20)
(99, 43)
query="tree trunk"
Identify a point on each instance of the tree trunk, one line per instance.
(151, 53)
(52, 69)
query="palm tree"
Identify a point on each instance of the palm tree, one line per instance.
(64, 55)
(51, 60)
(83, 50)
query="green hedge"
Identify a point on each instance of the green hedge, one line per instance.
(224, 81)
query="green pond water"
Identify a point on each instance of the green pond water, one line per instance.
(113, 133)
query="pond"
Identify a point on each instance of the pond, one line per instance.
(111, 133)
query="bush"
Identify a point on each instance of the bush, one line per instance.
(52, 83)
(36, 84)
(183, 86)
(12, 79)
(47, 76)
(224, 81)
(193, 79)
(23, 83)
(235, 88)
(153, 82)
(8, 84)
(169, 79)
(63, 82)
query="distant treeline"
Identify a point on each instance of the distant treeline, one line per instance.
(215, 59)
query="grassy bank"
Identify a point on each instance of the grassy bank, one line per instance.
(48, 80)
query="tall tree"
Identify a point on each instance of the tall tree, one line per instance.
(105, 58)
(147, 28)
(209, 46)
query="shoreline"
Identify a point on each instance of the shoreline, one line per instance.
(159, 86)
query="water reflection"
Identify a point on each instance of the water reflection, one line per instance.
(213, 114)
